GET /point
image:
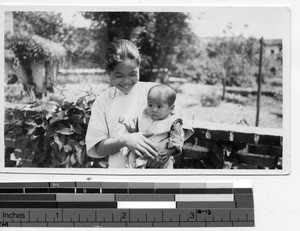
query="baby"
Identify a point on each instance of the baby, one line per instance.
(161, 123)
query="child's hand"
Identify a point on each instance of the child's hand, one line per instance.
(158, 162)
(165, 154)
(121, 119)
(161, 159)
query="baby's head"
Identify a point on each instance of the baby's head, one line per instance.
(161, 99)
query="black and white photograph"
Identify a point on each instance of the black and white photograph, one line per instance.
(176, 90)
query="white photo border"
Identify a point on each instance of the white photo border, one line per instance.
(133, 172)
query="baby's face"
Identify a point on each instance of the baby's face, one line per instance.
(158, 109)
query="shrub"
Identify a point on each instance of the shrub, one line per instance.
(212, 99)
(33, 47)
(53, 137)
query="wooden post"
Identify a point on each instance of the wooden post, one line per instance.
(259, 80)
(224, 80)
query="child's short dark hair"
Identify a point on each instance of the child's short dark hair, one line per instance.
(118, 51)
(167, 91)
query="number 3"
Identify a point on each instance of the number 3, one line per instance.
(192, 215)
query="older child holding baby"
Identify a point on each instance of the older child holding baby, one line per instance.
(105, 135)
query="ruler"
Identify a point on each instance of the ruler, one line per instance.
(130, 204)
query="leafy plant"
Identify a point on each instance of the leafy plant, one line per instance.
(24, 134)
(53, 137)
(33, 47)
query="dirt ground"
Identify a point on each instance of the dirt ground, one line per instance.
(243, 113)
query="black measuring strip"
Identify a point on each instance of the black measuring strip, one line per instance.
(86, 203)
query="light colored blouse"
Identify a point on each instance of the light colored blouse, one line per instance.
(105, 114)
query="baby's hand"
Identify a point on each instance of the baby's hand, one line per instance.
(121, 119)
(165, 154)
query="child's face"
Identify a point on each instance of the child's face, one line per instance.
(125, 76)
(158, 108)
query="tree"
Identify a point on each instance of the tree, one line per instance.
(35, 42)
(237, 56)
(189, 62)
(43, 23)
(157, 33)
(108, 26)
(79, 45)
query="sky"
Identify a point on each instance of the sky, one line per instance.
(267, 22)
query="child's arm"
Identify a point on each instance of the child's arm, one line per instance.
(175, 144)
(176, 136)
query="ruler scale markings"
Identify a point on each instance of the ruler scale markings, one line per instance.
(215, 205)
